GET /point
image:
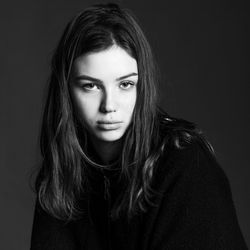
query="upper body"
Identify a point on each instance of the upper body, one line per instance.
(117, 172)
(193, 209)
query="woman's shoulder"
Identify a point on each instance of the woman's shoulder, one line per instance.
(187, 156)
(194, 160)
(180, 133)
(194, 202)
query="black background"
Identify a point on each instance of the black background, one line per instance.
(202, 50)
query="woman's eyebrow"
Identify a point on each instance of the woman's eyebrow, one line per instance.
(85, 77)
(90, 78)
(126, 76)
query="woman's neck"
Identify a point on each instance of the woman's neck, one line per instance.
(106, 151)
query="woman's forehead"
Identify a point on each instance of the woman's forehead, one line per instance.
(114, 61)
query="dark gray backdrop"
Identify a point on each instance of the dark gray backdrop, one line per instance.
(203, 52)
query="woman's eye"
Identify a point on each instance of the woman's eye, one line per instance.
(126, 85)
(90, 86)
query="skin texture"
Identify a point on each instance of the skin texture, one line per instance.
(103, 90)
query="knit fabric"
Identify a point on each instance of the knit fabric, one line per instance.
(193, 210)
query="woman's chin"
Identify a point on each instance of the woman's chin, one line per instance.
(109, 135)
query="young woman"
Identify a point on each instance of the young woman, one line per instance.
(118, 172)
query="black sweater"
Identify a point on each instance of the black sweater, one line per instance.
(194, 210)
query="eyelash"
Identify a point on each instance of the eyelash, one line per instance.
(130, 84)
(87, 85)
(90, 86)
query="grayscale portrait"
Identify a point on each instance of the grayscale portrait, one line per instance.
(125, 126)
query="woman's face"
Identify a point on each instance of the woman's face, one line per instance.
(103, 91)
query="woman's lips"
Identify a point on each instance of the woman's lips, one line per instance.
(108, 125)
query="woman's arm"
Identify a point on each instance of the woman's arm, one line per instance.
(197, 210)
(50, 233)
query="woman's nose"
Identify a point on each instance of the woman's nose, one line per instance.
(108, 102)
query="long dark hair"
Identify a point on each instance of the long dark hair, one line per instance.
(62, 178)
